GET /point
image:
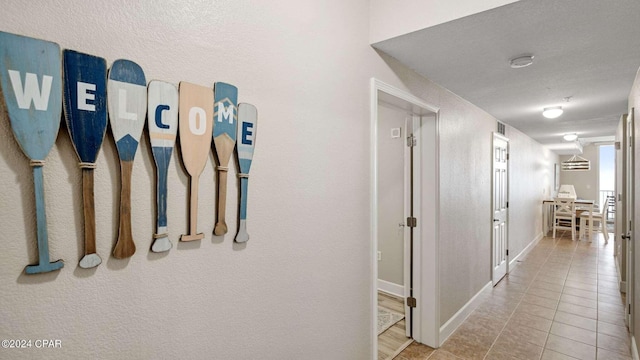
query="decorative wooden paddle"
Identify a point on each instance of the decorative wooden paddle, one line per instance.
(127, 100)
(247, 126)
(224, 137)
(163, 128)
(196, 127)
(85, 110)
(31, 81)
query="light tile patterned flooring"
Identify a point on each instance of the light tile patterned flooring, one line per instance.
(560, 302)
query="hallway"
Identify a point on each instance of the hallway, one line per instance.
(560, 302)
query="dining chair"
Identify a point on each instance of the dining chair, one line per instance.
(596, 217)
(564, 216)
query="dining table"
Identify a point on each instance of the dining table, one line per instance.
(581, 205)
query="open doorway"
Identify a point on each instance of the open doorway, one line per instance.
(403, 215)
(607, 182)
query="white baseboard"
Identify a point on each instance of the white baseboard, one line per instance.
(513, 262)
(634, 348)
(391, 288)
(456, 320)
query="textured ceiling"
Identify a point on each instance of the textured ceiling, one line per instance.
(588, 50)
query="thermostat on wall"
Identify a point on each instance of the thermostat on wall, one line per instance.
(395, 133)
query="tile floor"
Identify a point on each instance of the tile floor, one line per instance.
(560, 302)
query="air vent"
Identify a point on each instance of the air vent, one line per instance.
(501, 128)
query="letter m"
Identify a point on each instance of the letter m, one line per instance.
(225, 112)
(30, 92)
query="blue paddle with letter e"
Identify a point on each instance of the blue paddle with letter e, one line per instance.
(31, 80)
(245, 144)
(85, 110)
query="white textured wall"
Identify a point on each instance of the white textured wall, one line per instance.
(391, 18)
(465, 191)
(531, 180)
(300, 288)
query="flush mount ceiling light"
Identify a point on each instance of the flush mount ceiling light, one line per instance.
(552, 112)
(570, 137)
(521, 61)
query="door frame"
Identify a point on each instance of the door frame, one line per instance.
(426, 324)
(629, 226)
(493, 188)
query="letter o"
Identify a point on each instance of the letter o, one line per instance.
(197, 120)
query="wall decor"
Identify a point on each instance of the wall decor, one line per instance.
(196, 127)
(31, 81)
(127, 104)
(38, 82)
(224, 137)
(85, 112)
(163, 128)
(245, 145)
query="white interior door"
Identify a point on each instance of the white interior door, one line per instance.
(499, 210)
(628, 225)
(412, 214)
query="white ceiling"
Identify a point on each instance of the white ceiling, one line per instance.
(588, 50)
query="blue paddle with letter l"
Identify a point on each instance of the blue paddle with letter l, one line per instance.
(163, 128)
(127, 103)
(85, 110)
(225, 116)
(245, 144)
(31, 80)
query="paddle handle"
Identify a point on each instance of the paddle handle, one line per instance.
(89, 211)
(41, 216)
(193, 212)
(242, 235)
(125, 247)
(161, 199)
(44, 264)
(244, 190)
(221, 225)
(193, 208)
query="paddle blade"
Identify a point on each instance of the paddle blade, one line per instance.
(85, 102)
(225, 117)
(127, 103)
(196, 125)
(163, 113)
(246, 142)
(31, 82)
(163, 119)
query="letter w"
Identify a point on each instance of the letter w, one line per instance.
(31, 91)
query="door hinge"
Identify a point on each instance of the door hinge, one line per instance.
(507, 252)
(411, 141)
(412, 222)
(411, 302)
(507, 204)
(507, 156)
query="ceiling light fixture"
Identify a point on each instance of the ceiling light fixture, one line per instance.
(570, 137)
(521, 61)
(552, 112)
